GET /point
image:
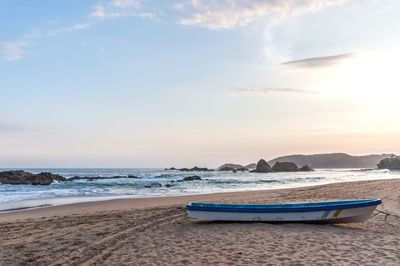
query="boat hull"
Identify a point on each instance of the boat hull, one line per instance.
(345, 216)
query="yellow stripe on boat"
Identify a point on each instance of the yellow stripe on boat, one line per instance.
(337, 212)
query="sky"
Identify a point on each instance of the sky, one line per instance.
(145, 83)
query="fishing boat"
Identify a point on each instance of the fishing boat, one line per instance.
(350, 211)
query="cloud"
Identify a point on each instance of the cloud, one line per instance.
(120, 8)
(98, 11)
(74, 27)
(178, 6)
(12, 51)
(229, 14)
(126, 3)
(271, 90)
(80, 26)
(319, 62)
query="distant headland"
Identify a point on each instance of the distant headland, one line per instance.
(325, 160)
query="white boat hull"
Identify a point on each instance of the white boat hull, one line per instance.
(352, 215)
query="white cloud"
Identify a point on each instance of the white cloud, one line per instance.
(232, 14)
(228, 14)
(80, 26)
(319, 62)
(272, 90)
(74, 27)
(178, 6)
(126, 3)
(145, 15)
(98, 11)
(120, 8)
(11, 51)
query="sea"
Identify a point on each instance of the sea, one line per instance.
(160, 182)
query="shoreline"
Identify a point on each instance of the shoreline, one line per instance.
(48, 202)
(43, 209)
(147, 230)
(62, 194)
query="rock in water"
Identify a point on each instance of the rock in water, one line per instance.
(15, 177)
(46, 178)
(305, 168)
(195, 169)
(262, 167)
(133, 176)
(285, 167)
(232, 166)
(190, 178)
(25, 178)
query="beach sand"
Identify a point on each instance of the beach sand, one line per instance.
(158, 231)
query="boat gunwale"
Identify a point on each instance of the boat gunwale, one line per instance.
(282, 208)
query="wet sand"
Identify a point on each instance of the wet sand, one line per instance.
(157, 231)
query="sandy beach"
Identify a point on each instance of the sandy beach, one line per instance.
(157, 231)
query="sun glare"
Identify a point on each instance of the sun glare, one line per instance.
(372, 75)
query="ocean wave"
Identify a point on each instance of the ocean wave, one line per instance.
(154, 182)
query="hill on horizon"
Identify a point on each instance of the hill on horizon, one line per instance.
(333, 160)
(238, 166)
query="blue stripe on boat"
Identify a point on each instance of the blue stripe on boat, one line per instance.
(282, 208)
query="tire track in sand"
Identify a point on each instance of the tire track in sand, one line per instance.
(99, 250)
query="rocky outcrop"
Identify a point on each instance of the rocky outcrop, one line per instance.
(262, 167)
(237, 167)
(190, 178)
(194, 169)
(392, 163)
(305, 168)
(46, 178)
(15, 177)
(21, 177)
(91, 178)
(231, 166)
(285, 167)
(229, 169)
